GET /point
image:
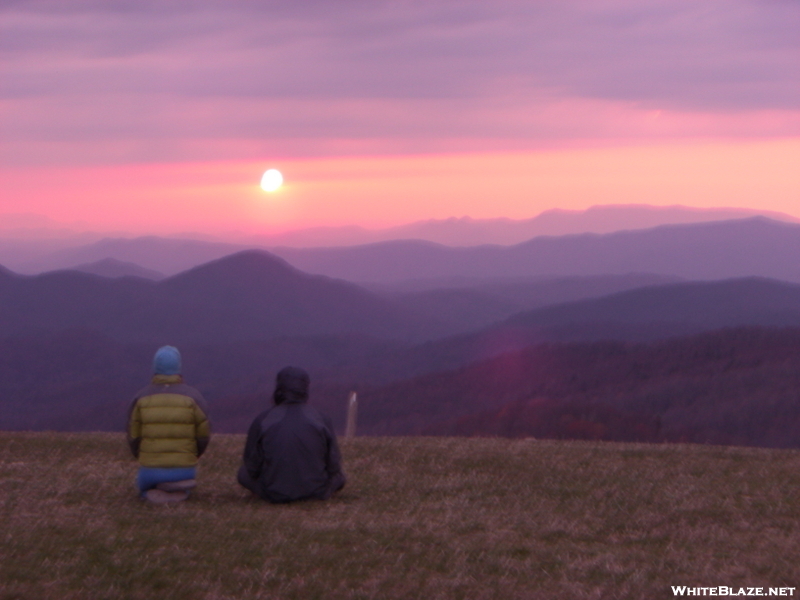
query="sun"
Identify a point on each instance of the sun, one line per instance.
(271, 180)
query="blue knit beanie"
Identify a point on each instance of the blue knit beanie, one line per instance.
(167, 361)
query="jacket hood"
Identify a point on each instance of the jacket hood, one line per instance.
(166, 379)
(291, 385)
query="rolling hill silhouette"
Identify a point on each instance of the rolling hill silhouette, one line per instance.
(755, 246)
(25, 251)
(644, 314)
(580, 336)
(470, 305)
(466, 231)
(164, 255)
(248, 296)
(74, 345)
(672, 309)
(718, 250)
(111, 267)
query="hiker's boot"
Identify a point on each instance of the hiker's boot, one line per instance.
(177, 486)
(157, 496)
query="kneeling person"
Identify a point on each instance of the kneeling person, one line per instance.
(167, 431)
(291, 451)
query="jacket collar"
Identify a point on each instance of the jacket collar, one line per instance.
(294, 400)
(167, 379)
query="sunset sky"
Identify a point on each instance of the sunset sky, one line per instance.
(159, 116)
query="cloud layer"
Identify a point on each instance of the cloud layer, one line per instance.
(124, 80)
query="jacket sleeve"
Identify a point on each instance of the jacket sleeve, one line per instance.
(253, 459)
(202, 428)
(134, 428)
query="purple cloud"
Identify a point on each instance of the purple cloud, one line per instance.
(148, 80)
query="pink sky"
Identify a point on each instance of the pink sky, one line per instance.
(160, 117)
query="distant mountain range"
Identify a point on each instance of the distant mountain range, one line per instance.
(249, 295)
(75, 345)
(412, 252)
(718, 250)
(468, 305)
(665, 310)
(111, 267)
(466, 231)
(33, 243)
(165, 256)
(639, 315)
(253, 295)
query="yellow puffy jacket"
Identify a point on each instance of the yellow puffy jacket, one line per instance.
(167, 425)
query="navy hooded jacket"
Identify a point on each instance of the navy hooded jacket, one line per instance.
(291, 451)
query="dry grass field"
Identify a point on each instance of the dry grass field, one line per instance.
(421, 518)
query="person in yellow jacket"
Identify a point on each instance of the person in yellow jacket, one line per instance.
(168, 430)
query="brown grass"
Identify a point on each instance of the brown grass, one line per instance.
(420, 518)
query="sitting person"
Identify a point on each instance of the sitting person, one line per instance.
(291, 451)
(167, 431)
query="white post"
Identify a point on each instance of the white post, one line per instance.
(352, 414)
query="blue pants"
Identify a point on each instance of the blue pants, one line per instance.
(150, 477)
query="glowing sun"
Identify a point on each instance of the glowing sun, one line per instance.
(271, 180)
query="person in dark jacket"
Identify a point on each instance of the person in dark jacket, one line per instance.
(168, 430)
(291, 451)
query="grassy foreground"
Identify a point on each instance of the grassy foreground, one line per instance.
(420, 518)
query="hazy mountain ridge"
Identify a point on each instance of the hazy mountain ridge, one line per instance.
(33, 243)
(467, 384)
(709, 250)
(76, 345)
(717, 250)
(709, 305)
(466, 231)
(111, 267)
(479, 304)
(250, 295)
(602, 219)
(253, 295)
(168, 256)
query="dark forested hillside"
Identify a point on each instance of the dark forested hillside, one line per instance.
(734, 386)
(644, 314)
(79, 380)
